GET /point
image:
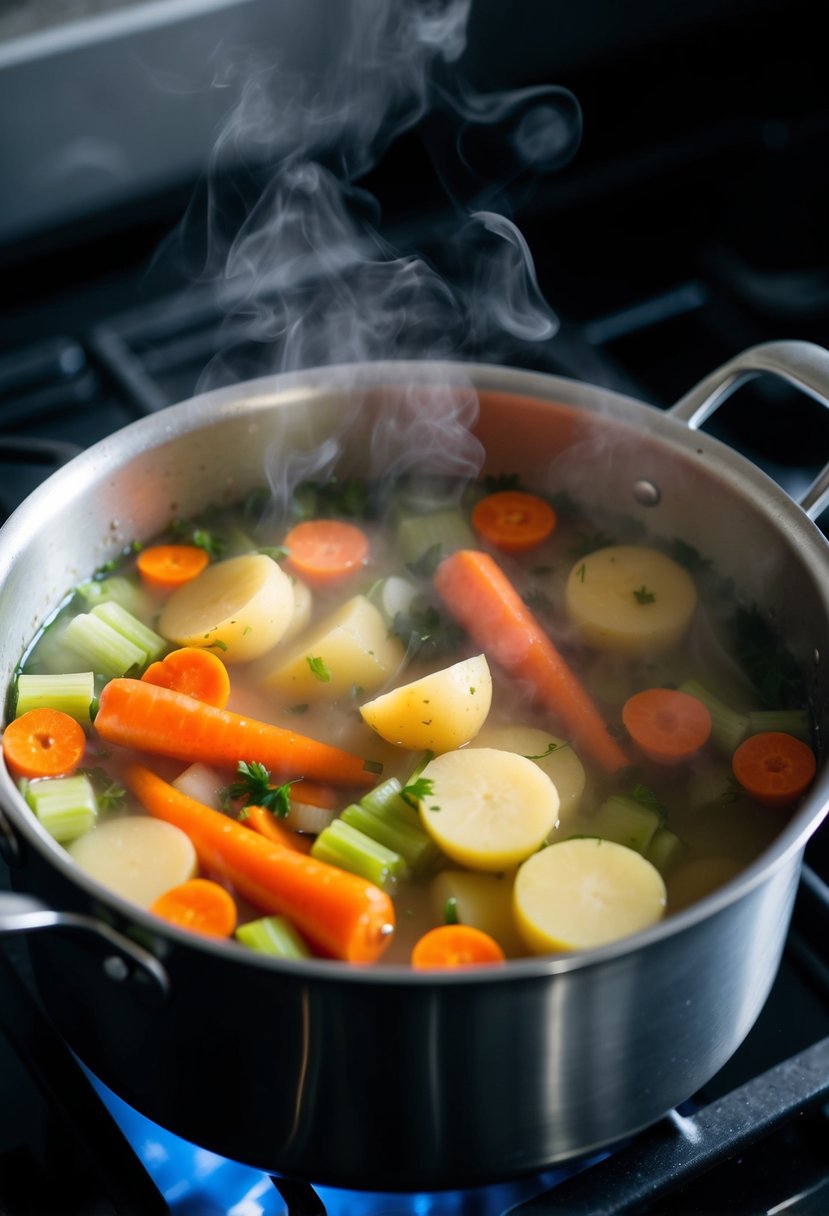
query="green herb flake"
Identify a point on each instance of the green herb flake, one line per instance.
(581, 572)
(254, 787)
(416, 790)
(644, 596)
(219, 644)
(318, 668)
(552, 746)
(450, 911)
(109, 795)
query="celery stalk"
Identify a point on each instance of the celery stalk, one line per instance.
(107, 650)
(627, 822)
(131, 628)
(350, 849)
(273, 935)
(790, 721)
(71, 692)
(664, 850)
(397, 833)
(728, 727)
(117, 588)
(66, 806)
(443, 531)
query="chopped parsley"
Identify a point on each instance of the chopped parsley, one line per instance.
(552, 746)
(318, 668)
(644, 596)
(109, 795)
(254, 787)
(420, 788)
(450, 911)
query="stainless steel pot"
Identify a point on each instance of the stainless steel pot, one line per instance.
(384, 1078)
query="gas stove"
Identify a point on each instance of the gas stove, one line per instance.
(686, 228)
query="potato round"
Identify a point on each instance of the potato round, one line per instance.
(138, 857)
(487, 809)
(242, 606)
(630, 600)
(585, 892)
(561, 764)
(436, 713)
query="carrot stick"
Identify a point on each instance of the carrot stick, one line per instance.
(455, 946)
(200, 905)
(43, 742)
(149, 718)
(325, 552)
(669, 726)
(481, 598)
(340, 914)
(198, 672)
(266, 824)
(165, 567)
(513, 521)
(774, 768)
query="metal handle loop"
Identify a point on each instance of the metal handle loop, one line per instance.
(24, 914)
(804, 365)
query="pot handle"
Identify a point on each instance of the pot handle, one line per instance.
(804, 365)
(24, 914)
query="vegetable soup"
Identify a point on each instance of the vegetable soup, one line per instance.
(431, 723)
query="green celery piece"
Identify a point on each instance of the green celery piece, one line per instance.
(728, 727)
(397, 833)
(664, 850)
(66, 806)
(104, 648)
(445, 531)
(131, 628)
(342, 845)
(790, 721)
(121, 590)
(273, 935)
(627, 822)
(71, 692)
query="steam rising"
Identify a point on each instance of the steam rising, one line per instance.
(294, 248)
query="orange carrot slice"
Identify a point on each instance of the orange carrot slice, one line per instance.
(149, 718)
(483, 600)
(200, 905)
(338, 913)
(165, 567)
(513, 521)
(197, 672)
(774, 768)
(455, 946)
(43, 742)
(667, 725)
(326, 552)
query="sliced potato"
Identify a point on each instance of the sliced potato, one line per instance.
(351, 648)
(242, 606)
(585, 892)
(137, 857)
(553, 755)
(482, 900)
(487, 809)
(303, 607)
(436, 713)
(630, 600)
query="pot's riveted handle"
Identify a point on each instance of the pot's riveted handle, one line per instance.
(24, 914)
(804, 365)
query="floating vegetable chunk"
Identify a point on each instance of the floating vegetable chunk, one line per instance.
(553, 755)
(137, 857)
(350, 649)
(585, 892)
(513, 521)
(630, 600)
(774, 768)
(667, 725)
(242, 606)
(487, 809)
(436, 713)
(455, 946)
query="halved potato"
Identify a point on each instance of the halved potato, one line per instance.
(436, 713)
(630, 600)
(585, 892)
(137, 857)
(351, 649)
(242, 606)
(487, 809)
